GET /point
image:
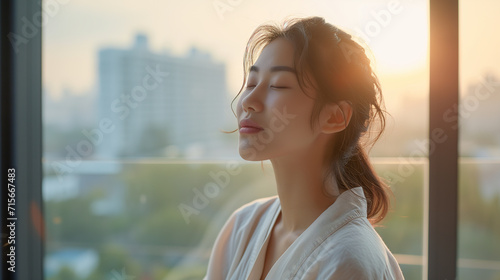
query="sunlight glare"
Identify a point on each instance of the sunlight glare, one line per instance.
(404, 48)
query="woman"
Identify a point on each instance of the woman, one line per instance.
(305, 105)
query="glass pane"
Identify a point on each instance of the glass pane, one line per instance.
(138, 178)
(404, 230)
(479, 181)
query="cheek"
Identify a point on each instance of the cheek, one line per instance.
(300, 125)
(292, 121)
(301, 108)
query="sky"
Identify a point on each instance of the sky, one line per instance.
(395, 31)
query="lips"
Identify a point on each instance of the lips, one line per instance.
(249, 126)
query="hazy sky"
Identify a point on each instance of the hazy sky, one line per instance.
(396, 31)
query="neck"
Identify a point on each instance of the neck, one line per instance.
(299, 180)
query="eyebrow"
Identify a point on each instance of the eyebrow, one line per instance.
(275, 69)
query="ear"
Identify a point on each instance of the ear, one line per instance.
(335, 117)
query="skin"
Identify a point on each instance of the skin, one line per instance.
(296, 150)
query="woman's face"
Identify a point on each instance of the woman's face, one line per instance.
(273, 112)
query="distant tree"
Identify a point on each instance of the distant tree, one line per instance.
(115, 262)
(72, 222)
(153, 140)
(65, 273)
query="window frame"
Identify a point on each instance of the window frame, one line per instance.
(21, 137)
(443, 133)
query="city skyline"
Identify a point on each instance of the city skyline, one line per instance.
(225, 37)
(157, 100)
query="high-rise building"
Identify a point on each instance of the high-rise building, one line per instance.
(150, 102)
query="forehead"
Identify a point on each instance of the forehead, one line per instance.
(279, 52)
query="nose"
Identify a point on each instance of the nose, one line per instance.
(251, 101)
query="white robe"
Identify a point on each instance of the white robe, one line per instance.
(340, 244)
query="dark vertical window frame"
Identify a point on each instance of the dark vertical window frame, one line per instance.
(5, 127)
(443, 134)
(21, 136)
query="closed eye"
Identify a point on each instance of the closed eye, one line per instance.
(280, 87)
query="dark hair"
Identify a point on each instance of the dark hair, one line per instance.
(341, 72)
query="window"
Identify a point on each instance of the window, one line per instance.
(479, 187)
(131, 188)
(139, 179)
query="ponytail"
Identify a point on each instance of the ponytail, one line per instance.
(357, 171)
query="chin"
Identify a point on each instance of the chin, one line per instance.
(251, 154)
(248, 154)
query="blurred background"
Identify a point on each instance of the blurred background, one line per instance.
(139, 179)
